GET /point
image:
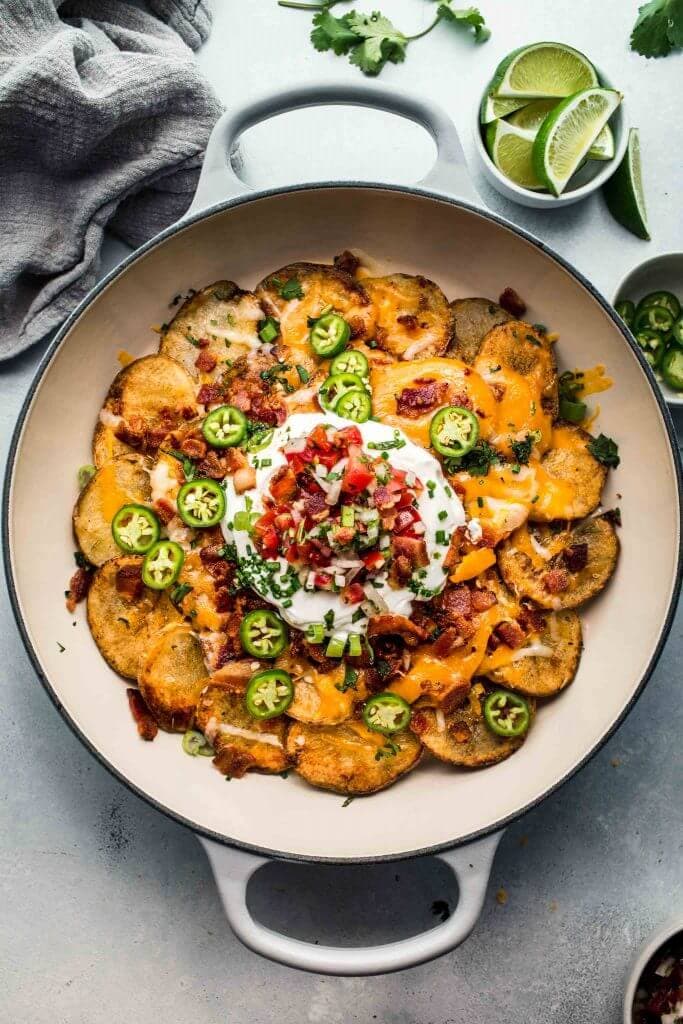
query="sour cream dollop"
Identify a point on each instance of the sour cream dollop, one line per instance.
(440, 510)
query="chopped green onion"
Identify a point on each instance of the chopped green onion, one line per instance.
(348, 516)
(336, 646)
(355, 648)
(315, 632)
(268, 329)
(85, 475)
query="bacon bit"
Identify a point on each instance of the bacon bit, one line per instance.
(203, 343)
(482, 600)
(409, 321)
(210, 394)
(576, 557)
(453, 553)
(449, 641)
(357, 325)
(456, 601)
(401, 570)
(188, 412)
(453, 695)
(234, 762)
(396, 625)
(460, 731)
(79, 584)
(206, 361)
(419, 723)
(268, 410)
(347, 262)
(412, 548)
(462, 398)
(466, 627)
(384, 498)
(233, 676)
(531, 619)
(315, 506)
(498, 390)
(488, 537)
(511, 633)
(164, 510)
(213, 465)
(414, 402)
(241, 400)
(223, 599)
(129, 582)
(512, 303)
(244, 479)
(194, 448)
(556, 581)
(147, 727)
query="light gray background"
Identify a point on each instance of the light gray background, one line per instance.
(109, 911)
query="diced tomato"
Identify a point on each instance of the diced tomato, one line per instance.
(357, 475)
(270, 542)
(322, 579)
(318, 438)
(405, 500)
(353, 594)
(347, 435)
(283, 521)
(329, 459)
(374, 560)
(283, 485)
(398, 478)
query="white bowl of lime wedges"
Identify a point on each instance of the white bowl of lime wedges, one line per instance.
(550, 128)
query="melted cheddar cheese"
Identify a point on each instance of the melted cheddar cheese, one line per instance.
(112, 495)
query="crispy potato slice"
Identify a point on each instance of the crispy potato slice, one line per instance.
(319, 696)
(344, 758)
(463, 738)
(472, 321)
(122, 481)
(414, 319)
(546, 675)
(241, 742)
(322, 286)
(222, 314)
(576, 478)
(155, 393)
(585, 554)
(525, 357)
(107, 446)
(122, 625)
(171, 676)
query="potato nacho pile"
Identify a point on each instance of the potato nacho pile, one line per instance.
(340, 522)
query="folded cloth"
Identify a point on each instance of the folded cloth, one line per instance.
(104, 118)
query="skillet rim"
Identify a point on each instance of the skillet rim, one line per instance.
(189, 221)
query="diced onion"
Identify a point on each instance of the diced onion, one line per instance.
(536, 650)
(250, 734)
(418, 346)
(440, 720)
(541, 551)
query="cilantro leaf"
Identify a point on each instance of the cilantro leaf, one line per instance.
(605, 450)
(332, 33)
(381, 42)
(468, 16)
(477, 462)
(522, 449)
(291, 289)
(659, 28)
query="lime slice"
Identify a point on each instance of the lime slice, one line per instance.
(543, 69)
(532, 115)
(567, 134)
(624, 191)
(493, 108)
(511, 148)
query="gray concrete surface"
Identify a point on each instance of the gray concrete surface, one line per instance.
(109, 911)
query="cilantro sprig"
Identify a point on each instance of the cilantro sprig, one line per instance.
(659, 28)
(371, 40)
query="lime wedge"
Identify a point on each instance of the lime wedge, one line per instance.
(568, 132)
(532, 115)
(624, 191)
(543, 69)
(511, 148)
(493, 108)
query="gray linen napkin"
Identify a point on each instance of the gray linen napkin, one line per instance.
(104, 119)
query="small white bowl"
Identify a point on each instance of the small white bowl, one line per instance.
(661, 273)
(654, 941)
(587, 180)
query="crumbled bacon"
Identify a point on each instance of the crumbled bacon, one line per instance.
(576, 557)
(531, 619)
(460, 731)
(455, 601)
(414, 402)
(511, 633)
(498, 390)
(412, 548)
(448, 642)
(203, 343)
(79, 585)
(453, 554)
(129, 582)
(401, 570)
(512, 303)
(147, 727)
(213, 465)
(357, 325)
(164, 510)
(210, 394)
(409, 321)
(193, 447)
(556, 580)
(347, 262)
(482, 599)
(419, 723)
(466, 627)
(206, 361)
(317, 508)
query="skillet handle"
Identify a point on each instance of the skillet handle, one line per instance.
(218, 181)
(471, 865)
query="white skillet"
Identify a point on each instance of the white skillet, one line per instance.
(232, 233)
